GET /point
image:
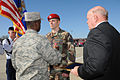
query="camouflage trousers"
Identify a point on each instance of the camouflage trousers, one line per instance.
(57, 75)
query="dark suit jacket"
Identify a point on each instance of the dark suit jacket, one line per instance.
(101, 54)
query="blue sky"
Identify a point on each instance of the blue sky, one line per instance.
(72, 13)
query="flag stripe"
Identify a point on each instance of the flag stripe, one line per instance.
(0, 6)
(16, 22)
(15, 7)
(7, 5)
(8, 15)
(4, 9)
(11, 15)
(9, 9)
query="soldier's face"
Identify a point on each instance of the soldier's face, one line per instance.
(12, 34)
(54, 23)
(38, 24)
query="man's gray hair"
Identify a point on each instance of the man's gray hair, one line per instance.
(102, 12)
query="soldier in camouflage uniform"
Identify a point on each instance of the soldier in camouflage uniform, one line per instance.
(32, 52)
(63, 42)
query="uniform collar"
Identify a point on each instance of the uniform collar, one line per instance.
(55, 34)
(57, 31)
(31, 31)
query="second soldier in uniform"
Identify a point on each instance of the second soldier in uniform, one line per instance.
(62, 41)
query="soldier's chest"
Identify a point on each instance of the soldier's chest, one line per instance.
(59, 39)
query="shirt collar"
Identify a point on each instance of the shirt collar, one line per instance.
(31, 31)
(100, 23)
(10, 39)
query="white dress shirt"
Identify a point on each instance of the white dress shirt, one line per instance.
(7, 47)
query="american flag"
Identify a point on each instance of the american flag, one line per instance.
(9, 9)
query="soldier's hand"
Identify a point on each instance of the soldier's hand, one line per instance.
(55, 46)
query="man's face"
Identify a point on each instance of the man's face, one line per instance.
(54, 23)
(90, 20)
(12, 34)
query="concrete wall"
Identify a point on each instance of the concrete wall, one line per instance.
(2, 67)
(79, 53)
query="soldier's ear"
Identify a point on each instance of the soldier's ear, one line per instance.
(59, 21)
(8, 32)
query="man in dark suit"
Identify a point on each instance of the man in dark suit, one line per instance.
(101, 50)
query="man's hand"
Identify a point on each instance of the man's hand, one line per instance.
(75, 71)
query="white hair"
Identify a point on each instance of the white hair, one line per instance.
(102, 12)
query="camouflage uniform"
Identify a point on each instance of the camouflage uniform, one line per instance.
(31, 55)
(65, 45)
